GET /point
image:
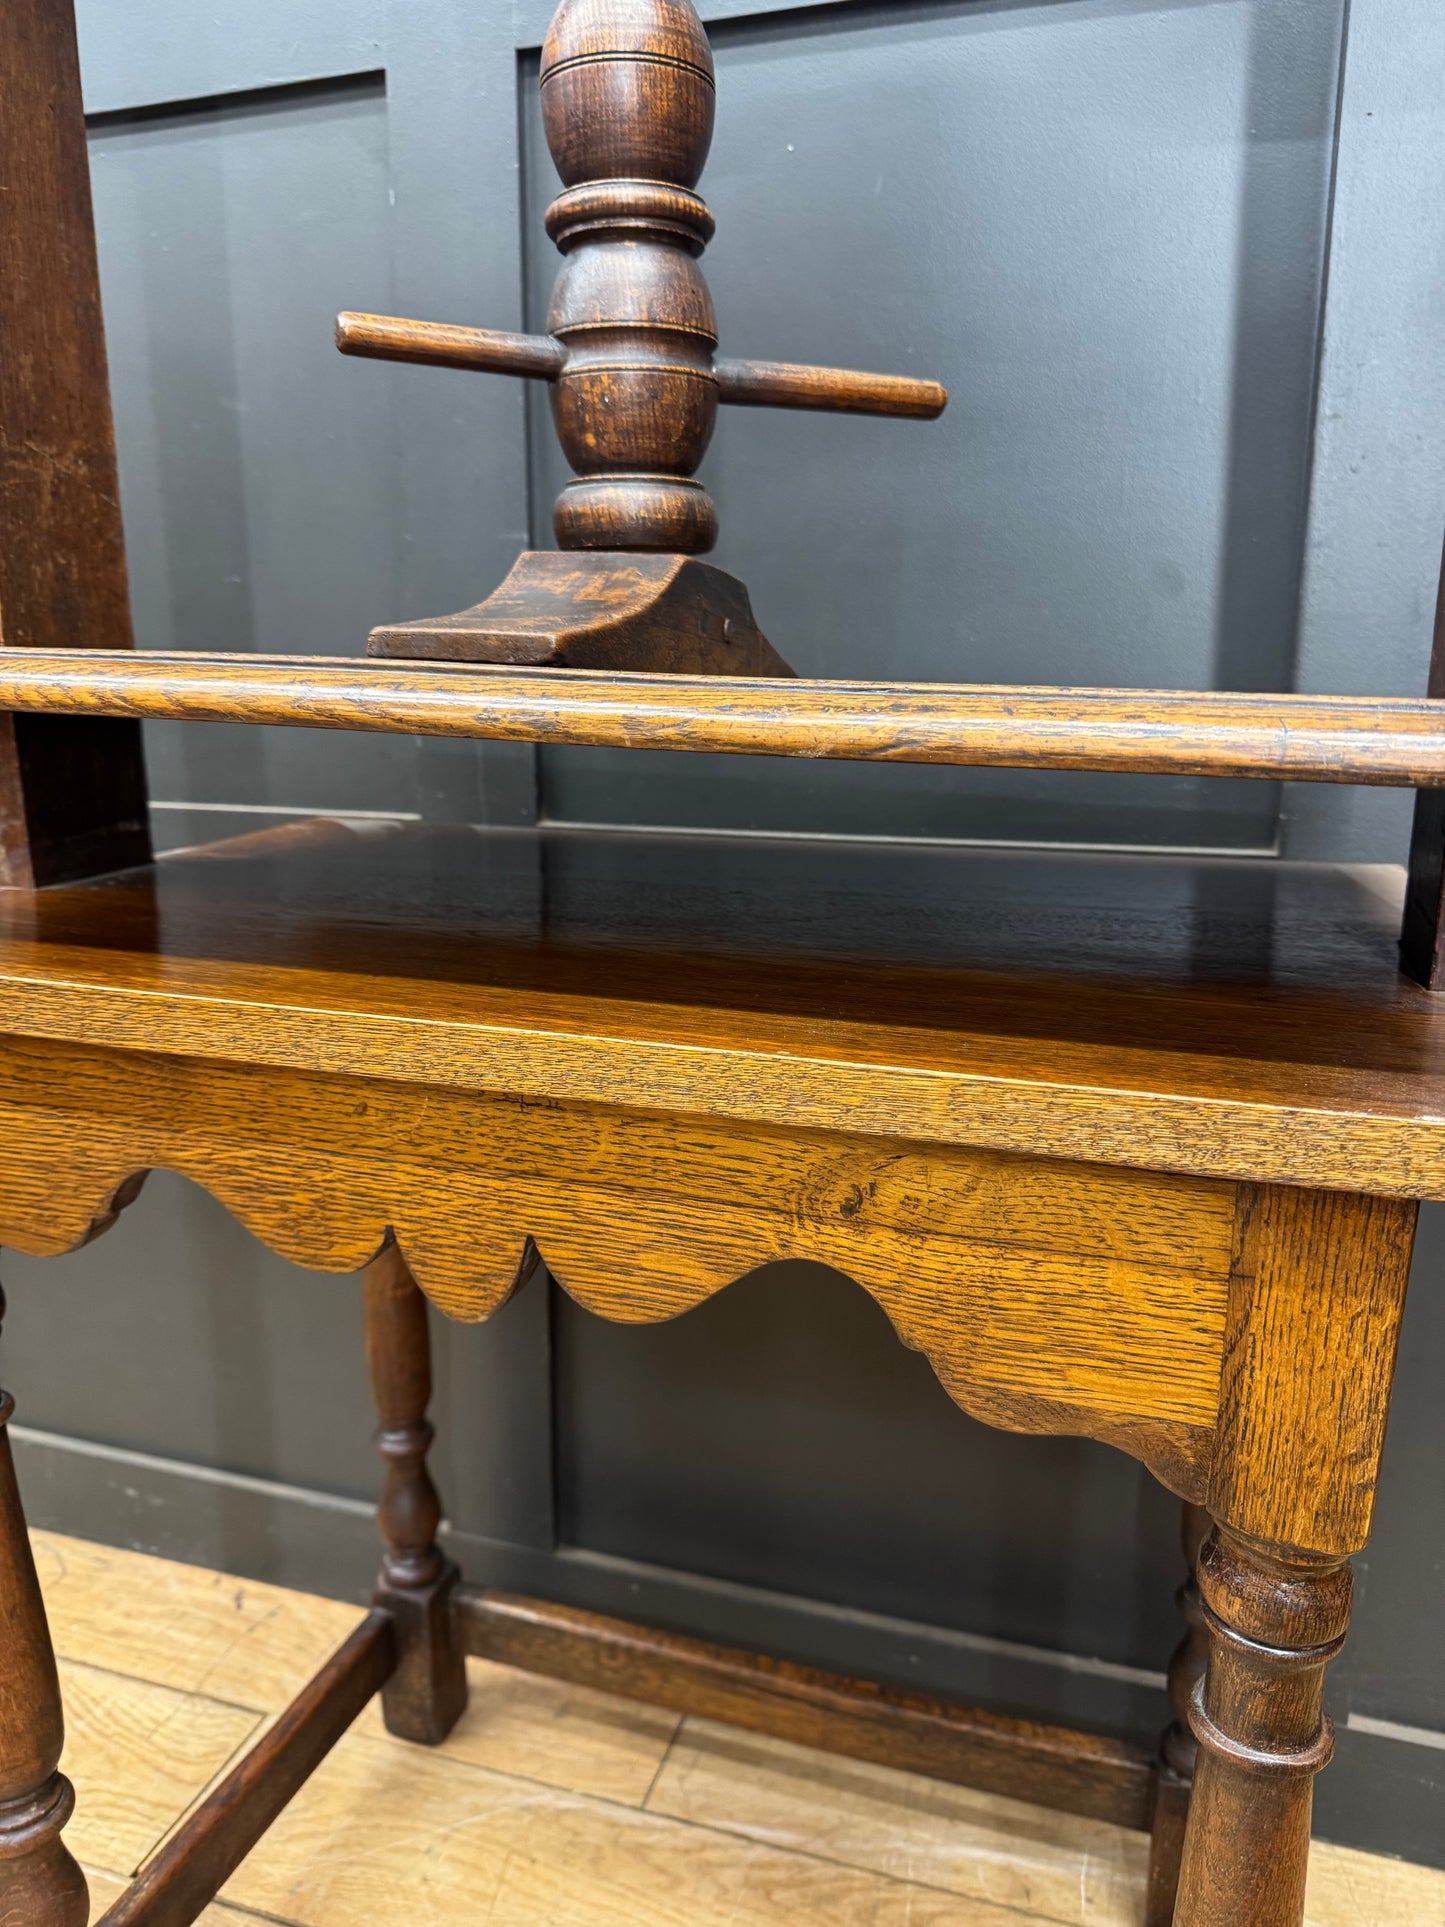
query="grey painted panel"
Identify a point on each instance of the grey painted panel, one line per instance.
(172, 50)
(780, 1436)
(452, 85)
(1377, 506)
(258, 476)
(1102, 225)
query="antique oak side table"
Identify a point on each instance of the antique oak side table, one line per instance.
(1130, 1150)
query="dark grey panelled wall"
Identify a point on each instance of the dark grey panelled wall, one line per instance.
(1182, 265)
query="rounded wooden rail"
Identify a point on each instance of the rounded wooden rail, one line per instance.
(1394, 741)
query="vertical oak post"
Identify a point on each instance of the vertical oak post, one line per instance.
(1316, 1293)
(428, 1691)
(1178, 1747)
(72, 788)
(40, 1885)
(1274, 1623)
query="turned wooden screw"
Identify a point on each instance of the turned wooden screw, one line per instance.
(627, 102)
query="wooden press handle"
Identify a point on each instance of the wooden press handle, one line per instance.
(386, 337)
(748, 384)
(841, 391)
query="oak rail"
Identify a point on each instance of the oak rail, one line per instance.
(193, 1865)
(1396, 742)
(1103, 1779)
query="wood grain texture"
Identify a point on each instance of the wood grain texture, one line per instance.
(72, 791)
(1077, 1773)
(983, 1847)
(628, 100)
(838, 391)
(384, 337)
(599, 611)
(1213, 1019)
(1274, 1623)
(1047, 1296)
(384, 1831)
(1396, 742)
(140, 1755)
(426, 1688)
(189, 1869)
(1317, 1290)
(892, 1840)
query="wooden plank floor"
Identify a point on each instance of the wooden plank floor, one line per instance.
(552, 1806)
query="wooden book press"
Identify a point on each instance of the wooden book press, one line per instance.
(1165, 1201)
(629, 359)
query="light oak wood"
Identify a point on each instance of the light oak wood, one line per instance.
(984, 1264)
(1316, 1296)
(417, 1837)
(975, 1844)
(139, 1755)
(187, 1870)
(235, 1640)
(255, 1646)
(1392, 741)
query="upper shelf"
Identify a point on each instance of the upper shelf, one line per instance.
(1393, 741)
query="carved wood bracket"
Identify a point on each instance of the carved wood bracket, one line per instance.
(1047, 1296)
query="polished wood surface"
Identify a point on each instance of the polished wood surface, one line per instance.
(655, 1064)
(1102, 1779)
(40, 1883)
(628, 103)
(1274, 1623)
(426, 1691)
(747, 384)
(1397, 742)
(72, 791)
(1235, 1020)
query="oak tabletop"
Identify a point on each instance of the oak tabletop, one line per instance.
(1230, 1017)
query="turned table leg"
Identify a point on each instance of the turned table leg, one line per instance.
(1178, 1747)
(426, 1695)
(1274, 1622)
(40, 1885)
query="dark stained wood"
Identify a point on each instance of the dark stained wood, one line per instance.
(746, 384)
(40, 1884)
(427, 1692)
(1422, 935)
(384, 337)
(1395, 742)
(1317, 1290)
(628, 101)
(666, 613)
(190, 1869)
(1274, 1623)
(837, 391)
(72, 790)
(1076, 1772)
(1179, 1748)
